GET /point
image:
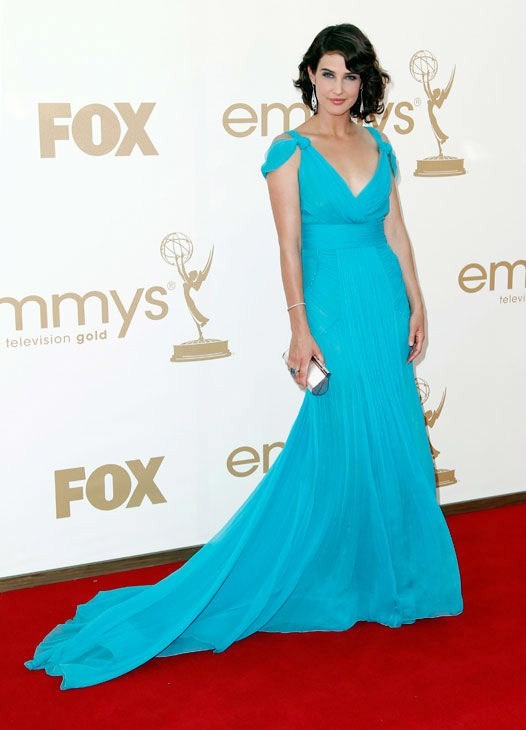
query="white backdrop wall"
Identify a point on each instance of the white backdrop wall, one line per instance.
(94, 412)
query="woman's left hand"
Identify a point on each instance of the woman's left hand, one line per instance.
(416, 333)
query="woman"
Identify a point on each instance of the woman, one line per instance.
(345, 526)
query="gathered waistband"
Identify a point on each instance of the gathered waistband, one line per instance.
(342, 235)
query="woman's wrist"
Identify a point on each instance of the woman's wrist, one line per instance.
(300, 331)
(298, 320)
(417, 305)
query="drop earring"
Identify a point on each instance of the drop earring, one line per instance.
(361, 102)
(314, 100)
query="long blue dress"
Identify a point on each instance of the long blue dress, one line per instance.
(345, 526)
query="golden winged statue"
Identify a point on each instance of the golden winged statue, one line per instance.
(193, 280)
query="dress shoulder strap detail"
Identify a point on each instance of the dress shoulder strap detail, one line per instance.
(280, 150)
(300, 139)
(387, 147)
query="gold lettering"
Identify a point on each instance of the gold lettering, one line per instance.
(17, 306)
(146, 486)
(510, 269)
(267, 448)
(228, 121)
(49, 131)
(81, 309)
(410, 123)
(121, 486)
(286, 111)
(232, 462)
(64, 493)
(136, 133)
(127, 315)
(82, 129)
(463, 278)
(156, 302)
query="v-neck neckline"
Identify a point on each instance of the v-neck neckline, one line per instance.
(339, 175)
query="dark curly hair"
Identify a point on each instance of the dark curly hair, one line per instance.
(360, 57)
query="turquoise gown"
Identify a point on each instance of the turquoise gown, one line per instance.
(345, 526)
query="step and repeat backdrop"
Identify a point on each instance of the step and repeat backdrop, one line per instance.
(142, 314)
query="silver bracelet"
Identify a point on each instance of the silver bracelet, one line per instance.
(296, 305)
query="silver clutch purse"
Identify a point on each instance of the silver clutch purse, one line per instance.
(317, 375)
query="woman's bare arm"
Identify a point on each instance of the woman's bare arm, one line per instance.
(284, 199)
(398, 239)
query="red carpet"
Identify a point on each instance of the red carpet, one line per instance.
(451, 672)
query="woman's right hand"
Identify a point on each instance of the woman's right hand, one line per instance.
(302, 348)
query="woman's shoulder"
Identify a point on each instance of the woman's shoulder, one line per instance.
(281, 148)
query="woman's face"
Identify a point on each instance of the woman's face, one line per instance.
(337, 88)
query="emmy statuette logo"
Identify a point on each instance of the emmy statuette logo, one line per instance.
(177, 249)
(423, 67)
(443, 477)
